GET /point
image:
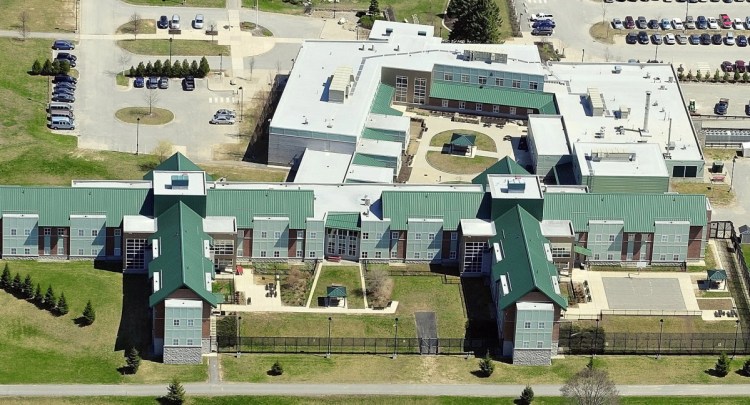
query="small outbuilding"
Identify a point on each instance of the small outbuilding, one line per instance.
(462, 144)
(336, 296)
(717, 279)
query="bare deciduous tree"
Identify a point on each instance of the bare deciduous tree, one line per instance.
(591, 386)
(23, 24)
(124, 59)
(163, 150)
(152, 96)
(379, 287)
(135, 24)
(252, 65)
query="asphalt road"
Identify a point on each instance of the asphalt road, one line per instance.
(464, 390)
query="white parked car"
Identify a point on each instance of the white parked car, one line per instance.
(669, 39)
(617, 24)
(739, 24)
(225, 112)
(222, 119)
(174, 23)
(198, 22)
(712, 24)
(677, 24)
(541, 16)
(729, 39)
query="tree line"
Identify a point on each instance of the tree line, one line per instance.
(168, 69)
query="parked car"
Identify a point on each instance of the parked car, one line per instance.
(139, 82)
(694, 39)
(616, 24)
(747, 108)
(64, 98)
(717, 39)
(641, 22)
(198, 22)
(722, 106)
(65, 85)
(669, 39)
(542, 31)
(631, 38)
(666, 24)
(222, 120)
(642, 38)
(543, 24)
(729, 39)
(629, 22)
(174, 23)
(727, 66)
(706, 39)
(152, 82)
(61, 123)
(188, 83)
(677, 24)
(739, 65)
(701, 23)
(225, 112)
(682, 39)
(712, 23)
(689, 22)
(66, 55)
(65, 79)
(163, 82)
(163, 22)
(741, 40)
(71, 62)
(541, 16)
(726, 22)
(63, 90)
(656, 39)
(63, 45)
(653, 24)
(739, 24)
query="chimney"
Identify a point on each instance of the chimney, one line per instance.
(645, 115)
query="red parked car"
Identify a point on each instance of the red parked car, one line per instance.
(740, 66)
(727, 66)
(726, 22)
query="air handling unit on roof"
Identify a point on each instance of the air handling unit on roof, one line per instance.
(612, 155)
(488, 57)
(341, 82)
(595, 101)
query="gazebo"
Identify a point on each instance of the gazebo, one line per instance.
(716, 279)
(335, 296)
(462, 144)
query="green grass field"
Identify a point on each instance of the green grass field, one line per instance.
(47, 349)
(349, 277)
(44, 15)
(650, 324)
(173, 3)
(181, 47)
(458, 164)
(483, 142)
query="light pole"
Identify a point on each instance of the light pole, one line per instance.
(170, 49)
(596, 338)
(221, 64)
(731, 179)
(137, 133)
(239, 318)
(583, 53)
(328, 352)
(656, 54)
(661, 330)
(687, 7)
(395, 341)
(736, 330)
(242, 96)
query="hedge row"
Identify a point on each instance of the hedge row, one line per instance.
(166, 68)
(50, 68)
(25, 290)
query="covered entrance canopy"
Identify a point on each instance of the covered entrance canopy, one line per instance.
(582, 250)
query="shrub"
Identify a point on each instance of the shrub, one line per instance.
(722, 365)
(486, 366)
(47, 68)
(527, 396)
(131, 72)
(746, 368)
(62, 305)
(89, 314)
(5, 278)
(716, 76)
(277, 369)
(185, 67)
(133, 359)
(204, 67)
(166, 68)
(64, 67)
(36, 67)
(38, 296)
(55, 67)
(28, 287)
(158, 68)
(177, 69)
(379, 287)
(140, 70)
(50, 301)
(366, 21)
(175, 393)
(194, 70)
(149, 69)
(746, 77)
(16, 286)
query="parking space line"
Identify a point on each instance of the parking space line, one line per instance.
(221, 100)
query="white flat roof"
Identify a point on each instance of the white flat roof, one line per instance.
(509, 186)
(219, 225)
(556, 228)
(370, 174)
(322, 167)
(647, 160)
(549, 135)
(111, 183)
(83, 216)
(534, 305)
(163, 183)
(570, 83)
(389, 122)
(138, 224)
(477, 227)
(382, 30)
(379, 148)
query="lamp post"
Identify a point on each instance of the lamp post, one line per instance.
(221, 64)
(731, 178)
(328, 352)
(687, 7)
(596, 338)
(170, 49)
(736, 330)
(137, 133)
(661, 330)
(656, 54)
(583, 53)
(239, 318)
(242, 96)
(395, 341)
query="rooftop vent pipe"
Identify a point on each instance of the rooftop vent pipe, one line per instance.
(645, 115)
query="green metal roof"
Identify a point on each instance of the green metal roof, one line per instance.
(181, 262)
(343, 220)
(716, 275)
(450, 206)
(544, 102)
(381, 103)
(582, 250)
(463, 140)
(365, 159)
(638, 211)
(336, 291)
(505, 165)
(246, 204)
(55, 204)
(525, 262)
(176, 163)
(381, 135)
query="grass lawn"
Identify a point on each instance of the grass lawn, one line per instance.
(718, 194)
(44, 15)
(603, 32)
(414, 294)
(158, 116)
(121, 80)
(275, 6)
(650, 324)
(46, 349)
(349, 277)
(483, 142)
(238, 172)
(709, 259)
(145, 26)
(180, 47)
(724, 155)
(172, 3)
(458, 165)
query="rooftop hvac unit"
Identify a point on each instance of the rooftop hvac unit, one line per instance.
(516, 186)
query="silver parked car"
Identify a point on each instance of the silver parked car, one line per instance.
(222, 120)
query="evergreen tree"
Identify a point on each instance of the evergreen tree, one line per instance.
(47, 68)
(28, 287)
(131, 72)
(717, 75)
(49, 298)
(689, 75)
(746, 368)
(157, 68)
(477, 21)
(175, 393)
(133, 359)
(726, 77)
(527, 396)
(36, 68)
(55, 67)
(204, 67)
(722, 365)
(5, 278)
(486, 366)
(16, 285)
(277, 369)
(698, 75)
(166, 68)
(89, 314)
(140, 70)
(149, 69)
(194, 70)
(746, 77)
(736, 76)
(177, 69)
(38, 297)
(374, 7)
(62, 305)
(185, 67)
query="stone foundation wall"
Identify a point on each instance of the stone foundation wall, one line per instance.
(554, 350)
(208, 346)
(532, 357)
(182, 355)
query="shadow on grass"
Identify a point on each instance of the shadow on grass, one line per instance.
(712, 372)
(135, 322)
(81, 322)
(114, 267)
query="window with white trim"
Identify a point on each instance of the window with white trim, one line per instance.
(13, 231)
(610, 256)
(496, 109)
(417, 255)
(663, 257)
(454, 235)
(394, 235)
(47, 231)
(665, 238)
(378, 255)
(452, 255)
(539, 344)
(223, 247)
(94, 252)
(394, 254)
(190, 323)
(300, 234)
(13, 251)
(482, 80)
(420, 90)
(60, 231)
(430, 255)
(431, 236)
(80, 232)
(311, 255)
(27, 232)
(262, 253)
(277, 235)
(533, 85)
(94, 232)
(402, 84)
(117, 232)
(527, 325)
(365, 235)
(448, 76)
(80, 252)
(464, 78)
(478, 106)
(176, 322)
(462, 105)
(560, 252)
(445, 103)
(263, 234)
(676, 257)
(175, 342)
(190, 342)
(596, 256)
(364, 255)
(312, 235)
(498, 81)
(512, 110)
(276, 253)
(516, 84)
(26, 251)
(418, 236)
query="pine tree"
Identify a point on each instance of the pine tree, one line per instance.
(177, 70)
(486, 366)
(157, 68)
(166, 68)
(62, 305)
(5, 278)
(374, 7)
(16, 285)
(746, 77)
(194, 70)
(204, 67)
(131, 72)
(38, 297)
(89, 314)
(133, 359)
(28, 287)
(736, 76)
(64, 67)
(36, 68)
(186, 67)
(149, 68)
(726, 77)
(140, 70)
(527, 396)
(477, 21)
(689, 75)
(717, 75)
(49, 298)
(175, 393)
(55, 67)
(722, 365)
(47, 68)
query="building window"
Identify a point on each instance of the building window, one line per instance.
(134, 253)
(190, 342)
(94, 252)
(61, 248)
(430, 255)
(364, 255)
(527, 325)
(512, 110)
(190, 322)
(496, 109)
(596, 256)
(175, 342)
(454, 235)
(464, 78)
(176, 322)
(525, 345)
(118, 232)
(276, 253)
(27, 232)
(394, 254)
(445, 103)
(431, 236)
(277, 235)
(13, 232)
(47, 231)
(312, 235)
(529, 111)
(498, 81)
(300, 234)
(378, 255)
(379, 235)
(598, 238)
(60, 231)
(262, 253)
(80, 232)
(94, 232)
(473, 252)
(299, 253)
(452, 255)
(663, 257)
(610, 256)
(13, 251)
(665, 238)
(482, 80)
(676, 257)
(223, 247)
(539, 344)
(26, 251)
(631, 237)
(560, 252)
(447, 76)
(263, 234)
(417, 255)
(516, 84)
(402, 83)
(80, 252)
(420, 90)
(611, 238)
(478, 106)
(461, 105)
(394, 235)
(418, 236)
(365, 235)
(533, 85)
(678, 238)
(311, 255)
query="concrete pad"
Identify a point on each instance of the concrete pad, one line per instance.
(644, 293)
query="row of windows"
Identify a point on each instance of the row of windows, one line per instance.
(540, 325)
(662, 257)
(560, 252)
(60, 251)
(480, 107)
(61, 232)
(482, 80)
(188, 342)
(300, 234)
(539, 344)
(415, 255)
(631, 238)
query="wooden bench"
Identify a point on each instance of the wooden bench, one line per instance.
(718, 178)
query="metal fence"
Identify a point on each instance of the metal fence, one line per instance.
(334, 345)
